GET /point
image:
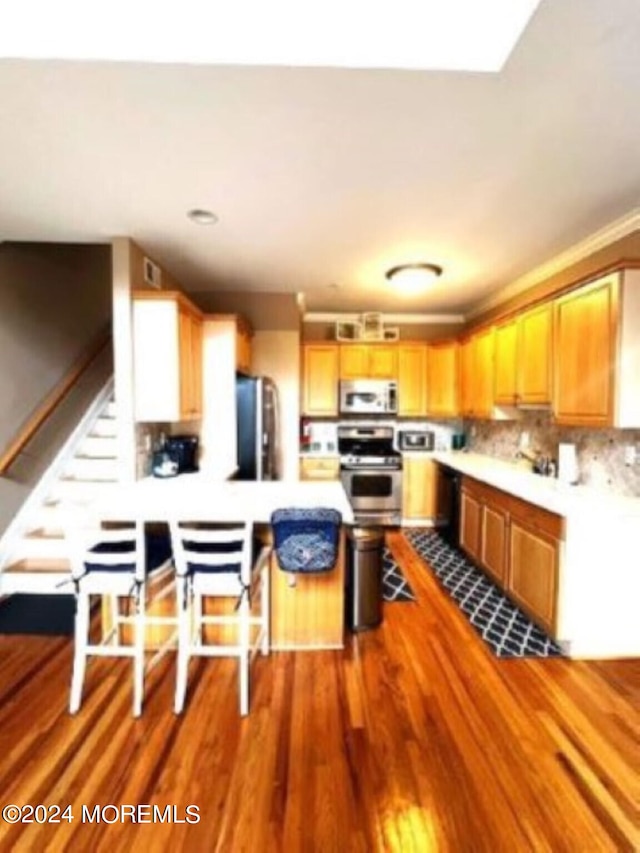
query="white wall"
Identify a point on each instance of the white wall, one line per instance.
(277, 355)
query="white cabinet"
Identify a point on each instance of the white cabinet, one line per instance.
(167, 357)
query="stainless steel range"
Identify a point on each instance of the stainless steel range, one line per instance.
(371, 473)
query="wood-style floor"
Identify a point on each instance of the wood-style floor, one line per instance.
(415, 738)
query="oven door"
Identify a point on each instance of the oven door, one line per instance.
(374, 493)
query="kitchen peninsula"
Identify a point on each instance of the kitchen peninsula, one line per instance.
(304, 615)
(565, 553)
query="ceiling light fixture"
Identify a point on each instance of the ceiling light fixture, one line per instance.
(202, 217)
(413, 278)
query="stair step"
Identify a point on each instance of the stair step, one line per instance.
(39, 565)
(85, 468)
(98, 447)
(38, 547)
(111, 410)
(79, 492)
(104, 427)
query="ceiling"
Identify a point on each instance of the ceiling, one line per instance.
(324, 178)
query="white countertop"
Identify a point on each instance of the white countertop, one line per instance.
(198, 497)
(546, 492)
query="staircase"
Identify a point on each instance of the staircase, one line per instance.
(34, 550)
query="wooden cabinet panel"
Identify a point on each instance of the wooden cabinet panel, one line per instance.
(470, 512)
(419, 488)
(482, 373)
(412, 380)
(319, 468)
(466, 377)
(320, 379)
(493, 553)
(383, 361)
(243, 348)
(368, 361)
(354, 361)
(533, 572)
(586, 358)
(535, 355)
(505, 368)
(442, 379)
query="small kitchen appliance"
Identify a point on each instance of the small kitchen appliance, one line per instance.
(410, 439)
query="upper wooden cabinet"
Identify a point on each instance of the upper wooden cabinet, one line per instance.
(368, 361)
(442, 379)
(320, 379)
(412, 380)
(482, 373)
(535, 355)
(167, 357)
(476, 374)
(586, 338)
(505, 364)
(244, 333)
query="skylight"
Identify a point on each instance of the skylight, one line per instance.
(449, 35)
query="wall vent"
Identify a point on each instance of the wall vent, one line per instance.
(152, 274)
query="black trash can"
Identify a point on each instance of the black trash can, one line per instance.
(364, 578)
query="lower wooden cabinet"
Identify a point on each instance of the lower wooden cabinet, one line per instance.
(533, 572)
(470, 520)
(517, 544)
(493, 542)
(319, 468)
(419, 489)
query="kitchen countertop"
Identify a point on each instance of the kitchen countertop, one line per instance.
(199, 497)
(546, 492)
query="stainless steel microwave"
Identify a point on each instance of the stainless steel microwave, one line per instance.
(368, 397)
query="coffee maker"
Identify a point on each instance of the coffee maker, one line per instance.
(178, 455)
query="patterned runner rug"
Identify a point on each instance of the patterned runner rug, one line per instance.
(394, 583)
(508, 631)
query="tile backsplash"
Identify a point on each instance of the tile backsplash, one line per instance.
(600, 452)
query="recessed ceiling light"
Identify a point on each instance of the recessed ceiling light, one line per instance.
(202, 217)
(413, 278)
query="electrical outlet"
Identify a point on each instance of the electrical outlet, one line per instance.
(629, 454)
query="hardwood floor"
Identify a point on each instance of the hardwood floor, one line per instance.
(415, 738)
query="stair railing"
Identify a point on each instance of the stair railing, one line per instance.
(51, 402)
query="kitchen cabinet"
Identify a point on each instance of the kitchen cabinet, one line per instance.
(244, 334)
(466, 374)
(516, 543)
(368, 361)
(493, 540)
(597, 343)
(535, 355)
(412, 380)
(506, 363)
(476, 374)
(470, 519)
(442, 379)
(320, 380)
(167, 357)
(419, 489)
(482, 373)
(319, 468)
(533, 572)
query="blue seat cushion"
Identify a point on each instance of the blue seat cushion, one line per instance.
(157, 549)
(306, 540)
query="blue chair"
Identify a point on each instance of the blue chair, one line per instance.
(306, 540)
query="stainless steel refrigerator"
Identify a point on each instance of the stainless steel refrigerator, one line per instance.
(257, 418)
